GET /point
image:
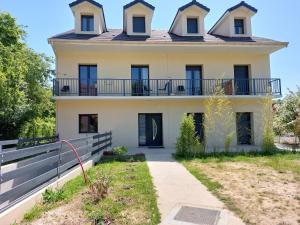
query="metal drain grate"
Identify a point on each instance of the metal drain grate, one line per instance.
(198, 215)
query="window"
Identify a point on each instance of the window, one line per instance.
(139, 25)
(239, 26)
(192, 25)
(199, 125)
(87, 23)
(88, 123)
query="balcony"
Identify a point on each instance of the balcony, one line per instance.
(165, 87)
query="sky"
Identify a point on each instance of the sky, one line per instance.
(276, 19)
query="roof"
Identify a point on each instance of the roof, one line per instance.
(77, 2)
(184, 7)
(241, 4)
(138, 1)
(157, 36)
(192, 3)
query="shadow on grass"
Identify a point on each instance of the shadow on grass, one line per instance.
(122, 158)
(230, 156)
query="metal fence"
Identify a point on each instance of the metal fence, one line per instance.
(164, 87)
(25, 171)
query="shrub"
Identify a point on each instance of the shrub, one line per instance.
(99, 188)
(52, 196)
(120, 150)
(187, 142)
(228, 141)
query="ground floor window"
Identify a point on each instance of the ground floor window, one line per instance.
(244, 128)
(150, 129)
(199, 125)
(88, 123)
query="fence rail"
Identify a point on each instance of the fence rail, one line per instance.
(164, 87)
(23, 171)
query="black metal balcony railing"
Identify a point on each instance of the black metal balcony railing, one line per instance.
(164, 87)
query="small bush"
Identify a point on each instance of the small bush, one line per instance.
(121, 150)
(51, 196)
(99, 188)
(228, 141)
(187, 144)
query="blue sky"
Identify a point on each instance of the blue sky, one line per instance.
(276, 19)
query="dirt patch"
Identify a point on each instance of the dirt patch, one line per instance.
(70, 213)
(264, 196)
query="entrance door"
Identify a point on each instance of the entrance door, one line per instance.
(140, 80)
(150, 130)
(241, 80)
(244, 129)
(194, 80)
(88, 80)
(199, 127)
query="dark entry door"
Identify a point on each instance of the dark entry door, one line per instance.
(244, 129)
(241, 80)
(88, 80)
(194, 80)
(199, 127)
(150, 130)
(140, 80)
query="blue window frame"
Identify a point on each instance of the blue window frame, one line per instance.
(87, 23)
(192, 25)
(239, 26)
(139, 25)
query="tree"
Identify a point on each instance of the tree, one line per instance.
(24, 80)
(286, 112)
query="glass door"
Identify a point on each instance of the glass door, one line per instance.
(241, 80)
(194, 80)
(88, 80)
(140, 80)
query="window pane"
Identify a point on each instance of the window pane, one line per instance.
(192, 25)
(142, 129)
(93, 124)
(83, 124)
(139, 24)
(87, 23)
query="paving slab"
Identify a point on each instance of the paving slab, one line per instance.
(177, 189)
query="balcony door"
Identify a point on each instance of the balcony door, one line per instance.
(150, 129)
(241, 80)
(194, 80)
(140, 80)
(87, 80)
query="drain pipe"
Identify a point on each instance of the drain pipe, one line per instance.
(78, 158)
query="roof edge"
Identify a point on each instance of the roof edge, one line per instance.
(138, 1)
(77, 2)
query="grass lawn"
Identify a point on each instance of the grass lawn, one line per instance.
(131, 198)
(261, 189)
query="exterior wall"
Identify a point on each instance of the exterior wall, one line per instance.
(161, 65)
(138, 10)
(121, 117)
(86, 8)
(180, 26)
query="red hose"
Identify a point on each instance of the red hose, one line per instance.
(78, 158)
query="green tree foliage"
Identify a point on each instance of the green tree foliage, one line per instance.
(297, 127)
(187, 144)
(286, 112)
(24, 81)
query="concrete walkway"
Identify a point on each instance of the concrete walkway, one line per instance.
(176, 187)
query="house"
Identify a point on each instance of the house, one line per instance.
(139, 82)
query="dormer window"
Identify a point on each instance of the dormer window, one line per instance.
(239, 26)
(139, 24)
(192, 25)
(87, 23)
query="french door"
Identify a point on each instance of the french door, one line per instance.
(244, 128)
(194, 80)
(140, 80)
(241, 80)
(87, 80)
(150, 129)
